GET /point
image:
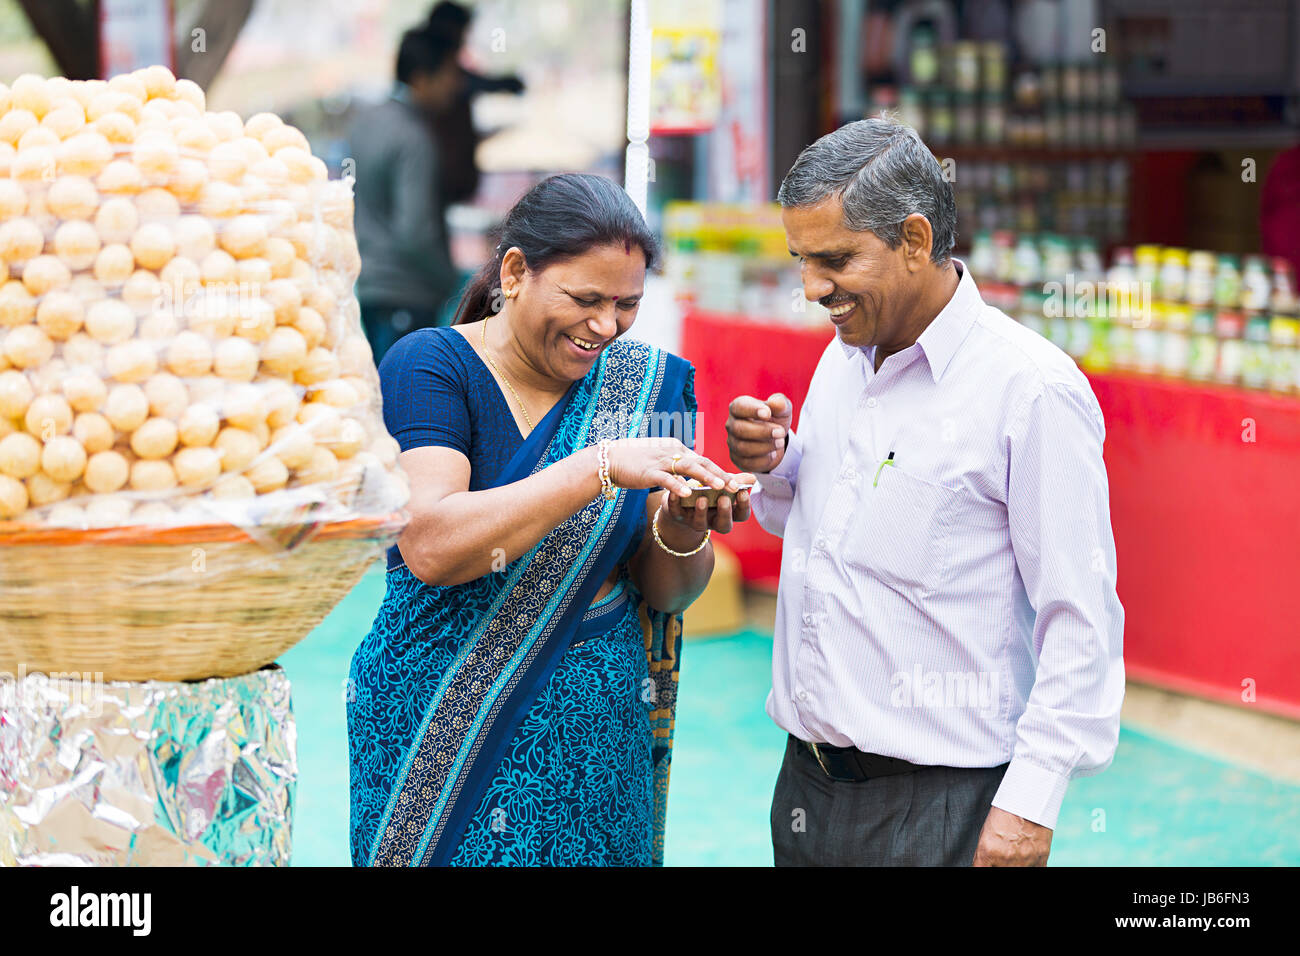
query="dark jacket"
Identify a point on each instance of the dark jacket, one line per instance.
(400, 225)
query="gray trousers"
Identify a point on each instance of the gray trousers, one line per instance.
(931, 817)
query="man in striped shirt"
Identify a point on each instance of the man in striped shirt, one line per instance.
(948, 649)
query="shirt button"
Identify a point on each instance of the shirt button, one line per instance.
(809, 620)
(803, 695)
(849, 475)
(872, 403)
(820, 544)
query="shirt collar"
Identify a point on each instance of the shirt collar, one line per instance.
(402, 93)
(946, 331)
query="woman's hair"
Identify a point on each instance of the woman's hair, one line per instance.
(560, 218)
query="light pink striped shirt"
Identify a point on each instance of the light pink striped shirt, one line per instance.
(958, 606)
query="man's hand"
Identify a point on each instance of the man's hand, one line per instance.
(1009, 840)
(757, 431)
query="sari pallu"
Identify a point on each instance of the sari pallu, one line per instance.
(509, 651)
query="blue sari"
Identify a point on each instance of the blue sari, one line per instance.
(507, 719)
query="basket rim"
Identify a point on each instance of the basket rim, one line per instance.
(363, 526)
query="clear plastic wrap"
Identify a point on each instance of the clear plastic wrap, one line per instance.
(180, 343)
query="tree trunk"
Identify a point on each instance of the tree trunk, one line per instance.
(71, 31)
(199, 55)
(70, 28)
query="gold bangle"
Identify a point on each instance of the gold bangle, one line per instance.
(607, 486)
(654, 528)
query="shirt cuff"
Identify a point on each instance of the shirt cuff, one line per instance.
(781, 478)
(1031, 792)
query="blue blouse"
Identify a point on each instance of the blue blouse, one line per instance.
(438, 391)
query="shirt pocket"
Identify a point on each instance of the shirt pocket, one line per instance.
(900, 532)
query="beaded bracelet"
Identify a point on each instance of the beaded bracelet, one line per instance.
(654, 527)
(606, 483)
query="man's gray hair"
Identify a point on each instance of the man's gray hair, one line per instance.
(882, 173)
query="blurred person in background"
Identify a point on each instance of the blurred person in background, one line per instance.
(948, 649)
(454, 127)
(406, 270)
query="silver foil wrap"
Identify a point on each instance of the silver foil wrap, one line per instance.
(155, 773)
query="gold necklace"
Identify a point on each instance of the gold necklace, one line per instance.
(501, 375)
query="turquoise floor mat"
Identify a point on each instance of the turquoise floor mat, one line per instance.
(1159, 804)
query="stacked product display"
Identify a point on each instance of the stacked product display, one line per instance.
(1027, 148)
(1086, 197)
(722, 257)
(968, 95)
(193, 464)
(179, 340)
(1193, 315)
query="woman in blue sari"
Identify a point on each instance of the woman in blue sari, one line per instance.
(513, 702)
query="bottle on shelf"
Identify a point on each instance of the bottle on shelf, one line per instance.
(1282, 298)
(1146, 259)
(1284, 339)
(1126, 326)
(1227, 283)
(1031, 310)
(1256, 355)
(1256, 285)
(1175, 346)
(1148, 336)
(1203, 346)
(983, 259)
(1229, 324)
(1200, 279)
(1172, 283)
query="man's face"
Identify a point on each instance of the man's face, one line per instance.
(863, 282)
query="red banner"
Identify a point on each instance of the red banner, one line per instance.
(1204, 506)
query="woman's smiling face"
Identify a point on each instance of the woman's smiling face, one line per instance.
(566, 314)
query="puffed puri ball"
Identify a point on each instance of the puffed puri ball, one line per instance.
(94, 431)
(126, 407)
(238, 447)
(106, 472)
(198, 425)
(48, 415)
(16, 394)
(153, 245)
(28, 346)
(84, 390)
(44, 273)
(20, 239)
(63, 458)
(73, 197)
(13, 497)
(77, 243)
(152, 475)
(155, 438)
(117, 220)
(197, 466)
(20, 455)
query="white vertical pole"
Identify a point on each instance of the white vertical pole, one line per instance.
(636, 172)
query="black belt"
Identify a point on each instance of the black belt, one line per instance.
(851, 764)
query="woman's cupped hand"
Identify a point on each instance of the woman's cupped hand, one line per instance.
(667, 463)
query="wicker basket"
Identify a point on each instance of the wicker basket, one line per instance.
(183, 603)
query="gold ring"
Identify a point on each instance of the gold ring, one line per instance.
(676, 459)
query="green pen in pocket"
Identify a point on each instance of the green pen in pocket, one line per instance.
(887, 461)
